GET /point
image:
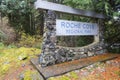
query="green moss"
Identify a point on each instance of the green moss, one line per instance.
(28, 75)
(64, 78)
(10, 57)
(60, 78)
(74, 75)
(52, 78)
(117, 72)
(4, 68)
(31, 75)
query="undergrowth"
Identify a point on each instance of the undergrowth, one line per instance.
(12, 57)
(31, 75)
(29, 40)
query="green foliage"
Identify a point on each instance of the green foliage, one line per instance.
(31, 75)
(110, 9)
(29, 41)
(21, 14)
(75, 41)
(107, 7)
(82, 4)
(11, 46)
(15, 7)
(74, 75)
(116, 50)
(103, 6)
(1, 45)
(84, 40)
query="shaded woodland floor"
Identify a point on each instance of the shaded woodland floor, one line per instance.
(109, 70)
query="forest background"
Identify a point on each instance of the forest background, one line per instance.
(23, 25)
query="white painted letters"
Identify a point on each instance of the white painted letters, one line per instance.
(67, 28)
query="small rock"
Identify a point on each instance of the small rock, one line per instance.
(21, 76)
(77, 71)
(22, 57)
(68, 74)
(23, 65)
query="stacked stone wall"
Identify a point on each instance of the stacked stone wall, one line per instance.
(53, 54)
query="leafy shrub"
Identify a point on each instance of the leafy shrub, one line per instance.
(29, 40)
(1, 45)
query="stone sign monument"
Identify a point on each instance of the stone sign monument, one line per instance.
(54, 54)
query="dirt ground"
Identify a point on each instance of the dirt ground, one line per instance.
(109, 70)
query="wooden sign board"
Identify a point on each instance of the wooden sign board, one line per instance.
(75, 28)
(66, 9)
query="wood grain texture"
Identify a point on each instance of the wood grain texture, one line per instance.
(66, 9)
